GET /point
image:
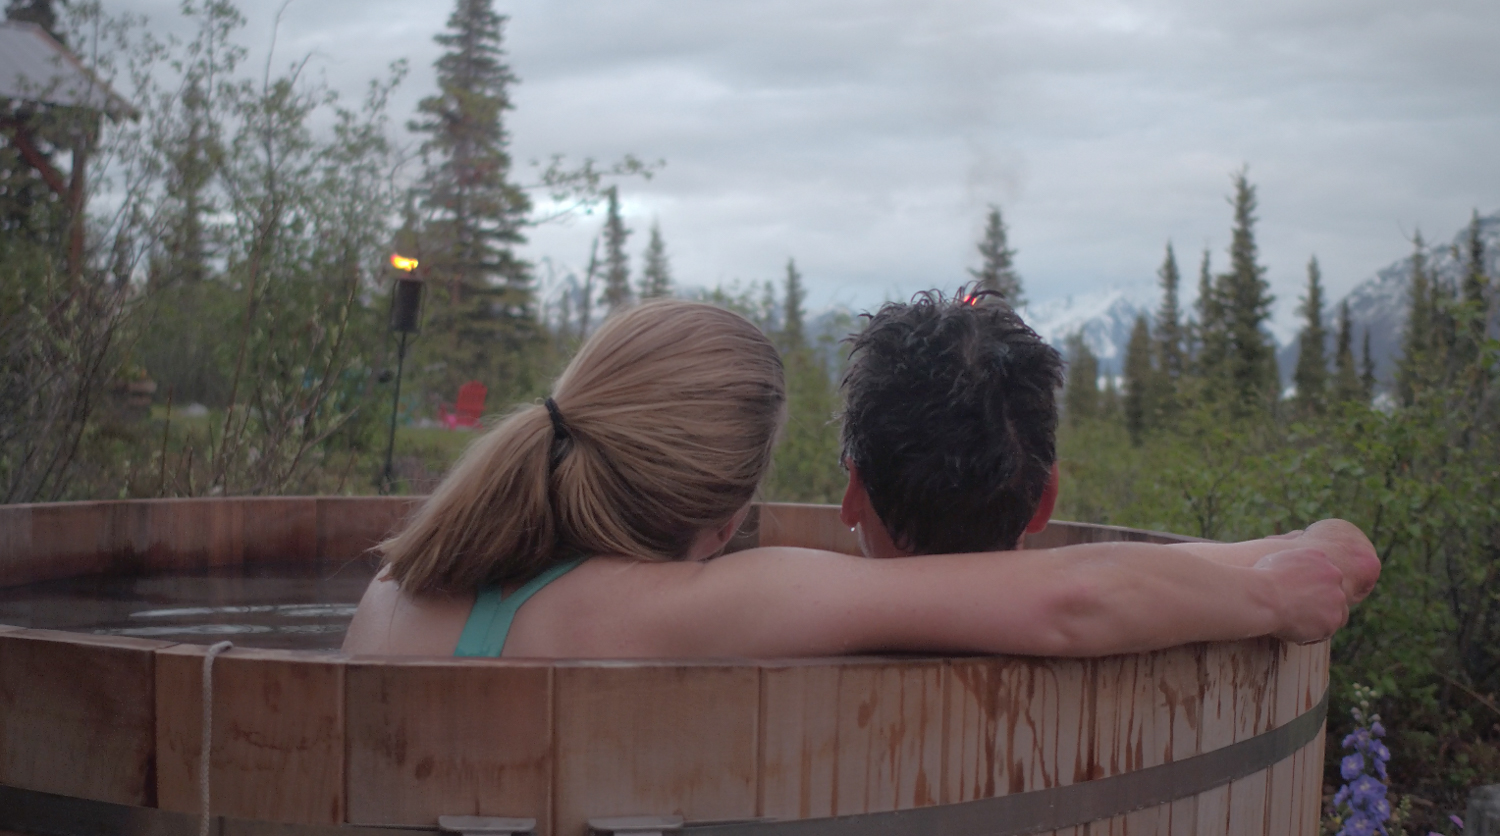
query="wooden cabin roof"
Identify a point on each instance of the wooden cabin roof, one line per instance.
(34, 67)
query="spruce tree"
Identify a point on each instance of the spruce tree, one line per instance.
(1474, 316)
(1140, 381)
(768, 318)
(1250, 364)
(1081, 391)
(1417, 337)
(1443, 364)
(1367, 370)
(793, 335)
(656, 273)
(1212, 331)
(997, 270)
(483, 314)
(1346, 385)
(1311, 375)
(586, 291)
(1475, 282)
(1170, 339)
(1109, 400)
(184, 252)
(616, 262)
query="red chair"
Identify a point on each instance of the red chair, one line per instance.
(468, 409)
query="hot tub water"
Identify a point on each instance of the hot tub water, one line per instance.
(297, 606)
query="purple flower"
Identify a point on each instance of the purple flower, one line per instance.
(1352, 766)
(1458, 821)
(1364, 794)
(1366, 790)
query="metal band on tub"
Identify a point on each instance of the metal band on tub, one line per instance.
(46, 814)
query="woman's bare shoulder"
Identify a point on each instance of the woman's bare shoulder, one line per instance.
(390, 622)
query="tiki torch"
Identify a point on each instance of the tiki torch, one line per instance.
(406, 309)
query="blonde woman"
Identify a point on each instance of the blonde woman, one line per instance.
(600, 509)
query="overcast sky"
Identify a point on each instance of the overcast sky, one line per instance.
(865, 137)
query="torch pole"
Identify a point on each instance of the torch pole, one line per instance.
(387, 479)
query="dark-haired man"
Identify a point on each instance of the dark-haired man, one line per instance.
(950, 426)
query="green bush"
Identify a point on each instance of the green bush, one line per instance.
(1421, 481)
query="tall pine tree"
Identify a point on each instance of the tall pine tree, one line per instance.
(616, 261)
(656, 273)
(482, 315)
(1417, 338)
(1346, 385)
(1311, 375)
(1140, 381)
(1250, 364)
(1367, 381)
(793, 335)
(1170, 339)
(1081, 390)
(1171, 344)
(997, 270)
(1474, 314)
(1211, 331)
(1475, 281)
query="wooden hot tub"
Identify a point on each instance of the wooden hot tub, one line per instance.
(101, 734)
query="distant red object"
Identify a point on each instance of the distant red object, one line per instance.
(468, 409)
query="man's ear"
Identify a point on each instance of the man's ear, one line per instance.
(851, 510)
(1044, 508)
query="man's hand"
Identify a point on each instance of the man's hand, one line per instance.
(1310, 599)
(1346, 547)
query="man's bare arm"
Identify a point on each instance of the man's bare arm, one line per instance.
(1077, 601)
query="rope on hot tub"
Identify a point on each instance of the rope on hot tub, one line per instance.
(205, 745)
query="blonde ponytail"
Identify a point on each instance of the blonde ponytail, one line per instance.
(669, 416)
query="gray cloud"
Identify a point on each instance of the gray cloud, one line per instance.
(865, 138)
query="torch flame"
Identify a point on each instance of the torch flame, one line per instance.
(401, 262)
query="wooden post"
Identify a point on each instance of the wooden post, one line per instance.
(73, 191)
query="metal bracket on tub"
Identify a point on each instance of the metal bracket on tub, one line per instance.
(485, 826)
(638, 825)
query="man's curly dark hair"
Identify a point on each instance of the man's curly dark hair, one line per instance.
(951, 420)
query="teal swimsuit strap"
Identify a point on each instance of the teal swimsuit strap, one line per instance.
(489, 621)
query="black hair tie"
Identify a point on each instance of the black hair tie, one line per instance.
(559, 429)
(562, 440)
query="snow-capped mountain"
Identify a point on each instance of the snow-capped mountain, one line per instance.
(1104, 318)
(1379, 304)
